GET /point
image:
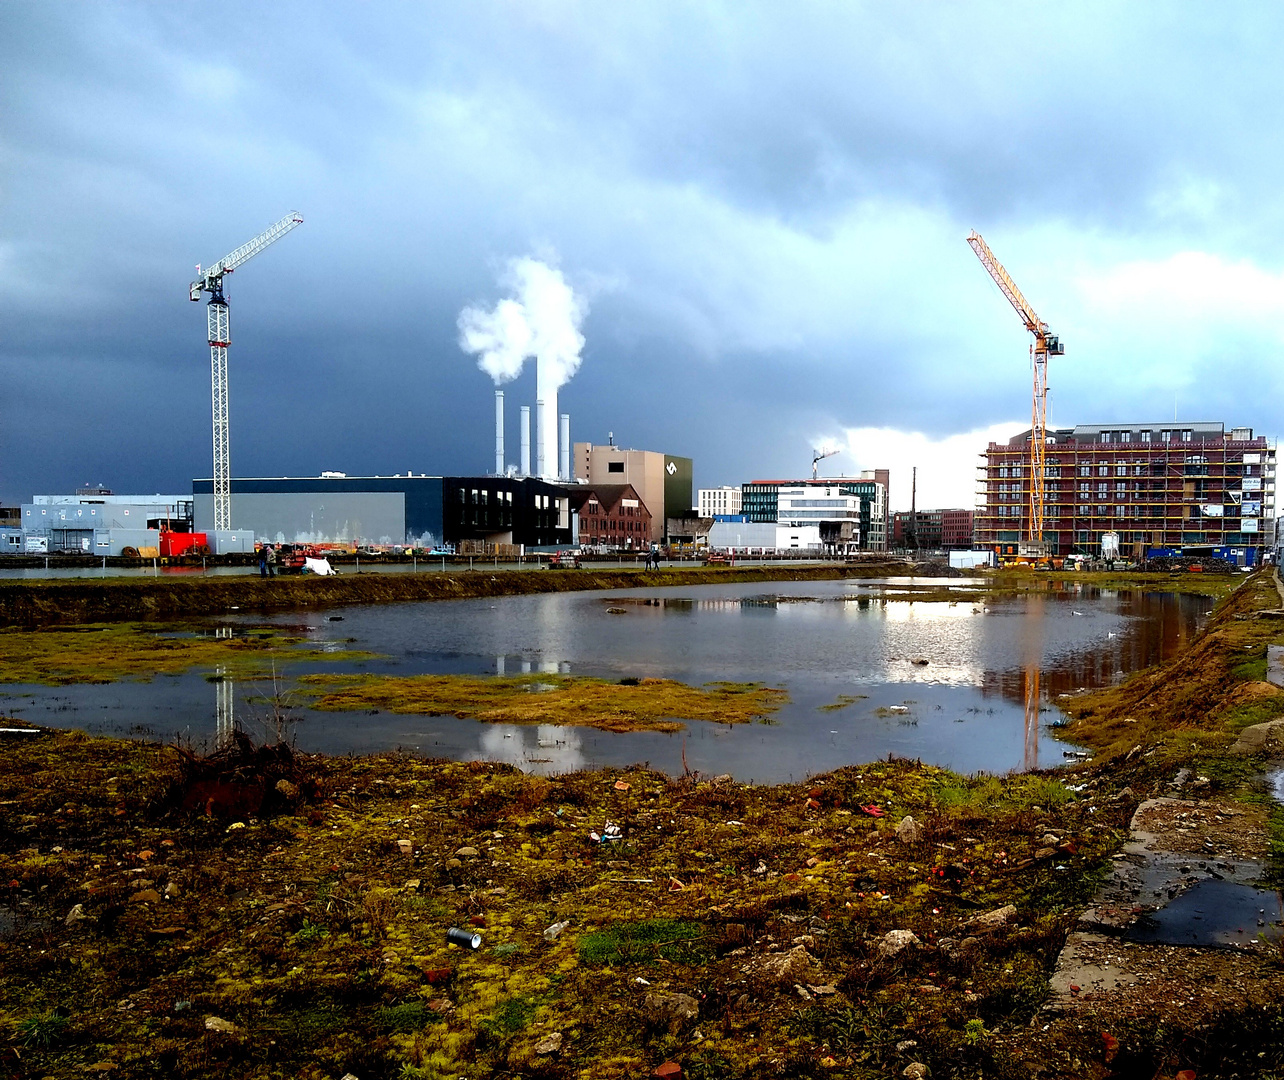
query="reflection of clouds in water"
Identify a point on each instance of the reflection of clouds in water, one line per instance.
(546, 749)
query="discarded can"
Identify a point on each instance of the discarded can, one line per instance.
(465, 938)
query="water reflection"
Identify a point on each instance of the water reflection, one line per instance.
(544, 749)
(1033, 665)
(224, 708)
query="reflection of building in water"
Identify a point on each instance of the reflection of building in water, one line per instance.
(224, 712)
(551, 750)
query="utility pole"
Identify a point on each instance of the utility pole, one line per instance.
(911, 538)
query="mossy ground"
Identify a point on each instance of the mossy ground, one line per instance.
(576, 701)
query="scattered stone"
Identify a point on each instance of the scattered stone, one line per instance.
(822, 991)
(802, 991)
(76, 914)
(670, 1070)
(236, 825)
(828, 1062)
(412, 885)
(348, 1076)
(550, 1044)
(670, 1008)
(914, 1071)
(172, 890)
(785, 968)
(406, 847)
(908, 832)
(145, 896)
(217, 1023)
(906, 1044)
(555, 931)
(289, 790)
(453, 864)
(894, 941)
(992, 920)
(1045, 853)
(101, 1066)
(467, 853)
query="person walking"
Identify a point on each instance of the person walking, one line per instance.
(271, 561)
(263, 563)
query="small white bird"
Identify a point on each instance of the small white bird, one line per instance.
(1110, 634)
(1076, 612)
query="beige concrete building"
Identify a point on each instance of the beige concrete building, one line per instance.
(662, 481)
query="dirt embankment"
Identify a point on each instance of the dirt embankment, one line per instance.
(85, 601)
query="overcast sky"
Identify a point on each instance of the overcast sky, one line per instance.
(765, 206)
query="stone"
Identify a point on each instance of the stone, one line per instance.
(906, 1044)
(824, 990)
(554, 932)
(908, 832)
(453, 864)
(467, 853)
(217, 1023)
(76, 914)
(784, 968)
(1045, 853)
(894, 941)
(172, 890)
(670, 1008)
(550, 1044)
(916, 1070)
(406, 847)
(670, 1070)
(992, 920)
(284, 787)
(829, 1062)
(145, 896)
(412, 884)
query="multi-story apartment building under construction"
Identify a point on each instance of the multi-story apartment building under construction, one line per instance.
(1152, 485)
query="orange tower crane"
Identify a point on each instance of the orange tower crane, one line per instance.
(1045, 344)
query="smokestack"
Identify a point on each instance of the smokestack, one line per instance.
(546, 384)
(564, 462)
(499, 432)
(541, 431)
(526, 440)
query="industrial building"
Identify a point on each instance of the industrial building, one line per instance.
(1154, 486)
(716, 502)
(95, 521)
(611, 516)
(932, 530)
(764, 537)
(663, 482)
(410, 510)
(850, 514)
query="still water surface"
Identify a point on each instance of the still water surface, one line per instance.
(965, 708)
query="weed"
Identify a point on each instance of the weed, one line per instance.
(974, 1032)
(310, 933)
(629, 943)
(43, 1029)
(408, 1016)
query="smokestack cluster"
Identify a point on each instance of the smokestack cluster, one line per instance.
(541, 319)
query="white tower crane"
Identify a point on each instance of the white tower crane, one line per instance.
(210, 280)
(817, 456)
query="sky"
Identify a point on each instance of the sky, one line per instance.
(762, 207)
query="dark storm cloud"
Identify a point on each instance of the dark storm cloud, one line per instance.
(765, 203)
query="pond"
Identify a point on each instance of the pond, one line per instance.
(969, 683)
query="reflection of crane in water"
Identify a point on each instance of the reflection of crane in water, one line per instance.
(1033, 658)
(224, 710)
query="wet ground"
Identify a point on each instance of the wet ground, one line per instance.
(963, 683)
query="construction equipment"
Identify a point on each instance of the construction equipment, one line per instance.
(210, 280)
(1045, 344)
(817, 456)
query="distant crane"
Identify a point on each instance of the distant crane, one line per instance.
(817, 456)
(1045, 344)
(210, 280)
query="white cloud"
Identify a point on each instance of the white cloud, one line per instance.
(946, 466)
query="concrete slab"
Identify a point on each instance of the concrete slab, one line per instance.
(1275, 665)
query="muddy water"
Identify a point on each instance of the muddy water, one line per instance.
(980, 702)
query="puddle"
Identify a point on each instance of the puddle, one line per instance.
(1214, 914)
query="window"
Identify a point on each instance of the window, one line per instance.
(614, 466)
(1084, 511)
(1145, 436)
(1085, 470)
(1101, 488)
(1186, 434)
(1103, 470)
(1165, 436)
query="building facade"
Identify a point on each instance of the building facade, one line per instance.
(849, 513)
(100, 522)
(662, 481)
(611, 516)
(764, 537)
(1153, 485)
(932, 530)
(716, 502)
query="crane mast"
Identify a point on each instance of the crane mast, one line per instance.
(210, 280)
(817, 456)
(1045, 344)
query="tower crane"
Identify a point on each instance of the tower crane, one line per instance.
(1045, 344)
(210, 280)
(817, 456)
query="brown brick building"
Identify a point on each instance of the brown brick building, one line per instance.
(612, 515)
(934, 530)
(1173, 485)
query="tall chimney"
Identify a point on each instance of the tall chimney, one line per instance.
(499, 432)
(526, 440)
(541, 433)
(565, 461)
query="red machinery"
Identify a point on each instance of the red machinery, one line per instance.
(174, 544)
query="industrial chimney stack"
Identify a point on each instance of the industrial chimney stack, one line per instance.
(564, 461)
(499, 432)
(526, 440)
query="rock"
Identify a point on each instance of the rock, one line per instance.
(236, 825)
(284, 787)
(785, 968)
(906, 1044)
(828, 1062)
(453, 864)
(550, 1044)
(76, 914)
(992, 920)
(1045, 853)
(914, 1071)
(172, 890)
(406, 847)
(670, 1008)
(217, 1023)
(670, 1070)
(894, 941)
(412, 885)
(348, 1076)
(145, 896)
(555, 931)
(467, 853)
(969, 942)
(823, 990)
(908, 832)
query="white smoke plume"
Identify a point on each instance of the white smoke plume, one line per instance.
(542, 319)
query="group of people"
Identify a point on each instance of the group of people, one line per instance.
(653, 558)
(267, 561)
